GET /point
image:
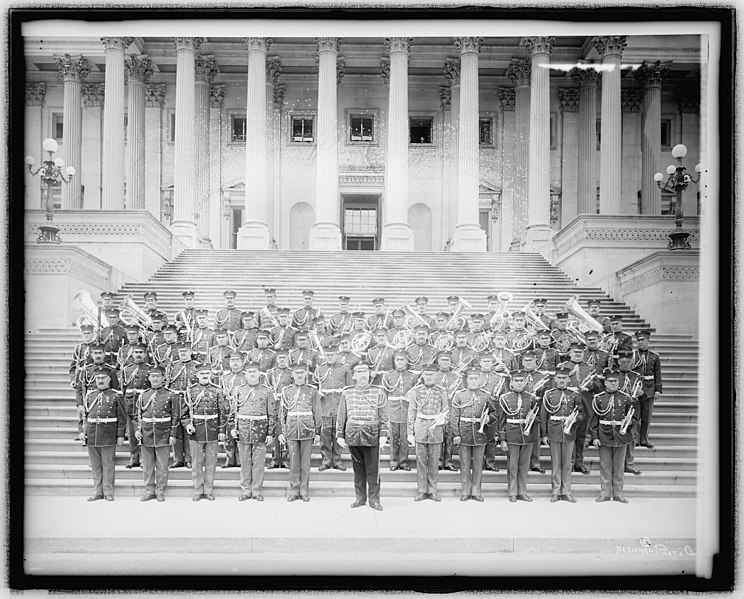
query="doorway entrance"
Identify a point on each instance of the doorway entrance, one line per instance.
(361, 222)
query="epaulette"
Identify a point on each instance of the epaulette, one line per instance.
(116, 391)
(211, 384)
(597, 394)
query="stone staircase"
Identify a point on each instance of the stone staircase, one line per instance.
(57, 465)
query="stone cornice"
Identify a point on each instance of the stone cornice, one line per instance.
(138, 67)
(93, 94)
(664, 265)
(519, 71)
(569, 99)
(72, 68)
(35, 93)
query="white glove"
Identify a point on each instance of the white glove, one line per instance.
(342, 442)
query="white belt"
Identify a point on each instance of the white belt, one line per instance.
(558, 417)
(516, 420)
(135, 391)
(611, 422)
(331, 390)
(163, 419)
(649, 377)
(249, 417)
(464, 419)
(101, 420)
(204, 416)
(397, 398)
(299, 413)
(428, 416)
(363, 421)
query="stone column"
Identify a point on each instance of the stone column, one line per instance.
(34, 101)
(72, 69)
(205, 70)
(154, 101)
(254, 234)
(508, 146)
(113, 123)
(519, 73)
(688, 106)
(139, 70)
(468, 237)
(217, 215)
(630, 163)
(275, 172)
(610, 49)
(651, 76)
(397, 234)
(442, 223)
(587, 80)
(273, 72)
(326, 234)
(538, 182)
(185, 213)
(569, 102)
(90, 155)
(452, 76)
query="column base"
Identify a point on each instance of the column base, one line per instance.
(397, 237)
(186, 232)
(325, 236)
(536, 236)
(469, 238)
(254, 236)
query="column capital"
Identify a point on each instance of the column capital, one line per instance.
(117, 43)
(507, 97)
(652, 74)
(72, 68)
(385, 69)
(538, 45)
(93, 94)
(273, 69)
(280, 91)
(519, 71)
(688, 102)
(445, 97)
(35, 93)
(217, 95)
(138, 67)
(608, 45)
(187, 43)
(340, 69)
(569, 99)
(205, 68)
(467, 45)
(398, 44)
(631, 100)
(585, 76)
(155, 95)
(327, 44)
(452, 71)
(258, 44)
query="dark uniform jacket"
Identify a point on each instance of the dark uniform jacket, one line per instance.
(205, 407)
(158, 412)
(181, 375)
(187, 315)
(506, 357)
(154, 338)
(203, 338)
(278, 378)
(105, 419)
(230, 381)
(648, 365)
(349, 358)
(339, 322)
(299, 413)
(579, 372)
(331, 381)
(374, 321)
(424, 405)
(597, 359)
(513, 410)
(229, 319)
(628, 380)
(113, 338)
(134, 382)
(362, 417)
(125, 356)
(253, 413)
(449, 380)
(245, 339)
(421, 355)
(264, 357)
(304, 317)
(624, 342)
(466, 414)
(165, 353)
(218, 358)
(538, 382)
(265, 315)
(547, 359)
(607, 413)
(462, 355)
(397, 384)
(80, 359)
(282, 337)
(557, 405)
(304, 355)
(494, 383)
(87, 380)
(380, 359)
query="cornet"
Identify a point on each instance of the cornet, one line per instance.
(569, 421)
(483, 416)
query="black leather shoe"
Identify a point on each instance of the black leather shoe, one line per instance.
(292, 498)
(478, 498)
(568, 498)
(405, 467)
(147, 497)
(540, 470)
(633, 471)
(554, 498)
(244, 497)
(208, 496)
(272, 465)
(131, 465)
(340, 467)
(620, 499)
(197, 497)
(647, 445)
(323, 467)
(108, 497)
(582, 470)
(304, 498)
(160, 498)
(177, 465)
(258, 497)
(492, 468)
(359, 503)
(188, 465)
(526, 498)
(512, 499)
(226, 466)
(419, 497)
(393, 468)
(376, 506)
(435, 497)
(464, 497)
(95, 497)
(451, 468)
(601, 498)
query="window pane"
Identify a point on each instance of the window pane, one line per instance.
(308, 128)
(238, 128)
(485, 131)
(420, 130)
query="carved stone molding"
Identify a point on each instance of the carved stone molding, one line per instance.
(507, 97)
(340, 69)
(452, 71)
(468, 45)
(585, 77)
(631, 100)
(93, 94)
(538, 45)
(569, 99)
(327, 44)
(119, 43)
(155, 95)
(35, 93)
(652, 74)
(188, 43)
(273, 69)
(64, 267)
(519, 71)
(385, 69)
(216, 95)
(205, 68)
(138, 67)
(280, 91)
(659, 274)
(608, 45)
(362, 179)
(445, 96)
(73, 68)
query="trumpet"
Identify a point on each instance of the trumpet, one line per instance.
(530, 420)
(483, 416)
(637, 386)
(440, 419)
(501, 315)
(569, 421)
(540, 385)
(463, 365)
(626, 420)
(584, 382)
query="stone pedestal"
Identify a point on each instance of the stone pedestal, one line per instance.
(397, 237)
(536, 237)
(254, 236)
(325, 236)
(469, 238)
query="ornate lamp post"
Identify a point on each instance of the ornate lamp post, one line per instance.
(50, 172)
(677, 182)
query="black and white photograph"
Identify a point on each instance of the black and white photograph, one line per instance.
(372, 294)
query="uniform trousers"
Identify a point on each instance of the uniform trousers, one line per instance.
(535, 456)
(581, 430)
(203, 465)
(181, 448)
(102, 466)
(330, 450)
(448, 448)
(427, 462)
(630, 452)
(560, 460)
(279, 455)
(252, 462)
(518, 463)
(134, 448)
(491, 446)
(155, 468)
(398, 444)
(471, 469)
(365, 461)
(299, 466)
(647, 412)
(611, 470)
(231, 452)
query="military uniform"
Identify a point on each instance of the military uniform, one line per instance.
(158, 414)
(267, 316)
(397, 384)
(579, 372)
(203, 340)
(479, 338)
(557, 406)
(231, 382)
(349, 358)
(153, 340)
(299, 421)
(304, 355)
(547, 358)
(229, 319)
(648, 365)
(282, 337)
(427, 407)
(104, 424)
(597, 359)
(361, 421)
(113, 338)
(244, 340)
(375, 321)
(494, 383)
(185, 321)
(513, 411)
(217, 360)
(303, 317)
(180, 376)
(505, 357)
(263, 356)
(380, 359)
(537, 383)
(80, 359)
(463, 357)
(466, 417)
(87, 381)
(331, 381)
(452, 382)
(630, 381)
(340, 323)
(164, 353)
(421, 354)
(253, 416)
(205, 409)
(276, 379)
(134, 383)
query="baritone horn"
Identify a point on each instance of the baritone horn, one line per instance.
(585, 322)
(132, 314)
(91, 314)
(500, 317)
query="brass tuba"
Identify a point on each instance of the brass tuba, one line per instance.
(533, 320)
(582, 322)
(132, 314)
(83, 302)
(498, 320)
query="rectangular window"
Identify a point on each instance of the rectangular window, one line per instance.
(58, 129)
(172, 126)
(302, 129)
(360, 221)
(361, 127)
(485, 131)
(666, 133)
(421, 129)
(237, 127)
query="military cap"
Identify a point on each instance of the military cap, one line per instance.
(331, 347)
(150, 294)
(499, 333)
(308, 293)
(378, 300)
(429, 368)
(625, 354)
(170, 328)
(157, 370)
(269, 290)
(543, 333)
(252, 365)
(229, 293)
(420, 327)
(643, 334)
(518, 314)
(130, 328)
(442, 315)
(359, 366)
(578, 345)
(101, 372)
(422, 299)
(183, 345)
(540, 300)
(477, 316)
(97, 347)
(492, 298)
(236, 354)
(201, 312)
(453, 298)
(283, 311)
(188, 294)
(299, 366)
(610, 373)
(562, 315)
(357, 315)
(89, 328)
(461, 333)
(485, 356)
(399, 312)
(529, 354)
(282, 353)
(221, 332)
(475, 371)
(616, 318)
(564, 370)
(263, 333)
(518, 374)
(300, 334)
(445, 353)
(593, 302)
(107, 294)
(159, 316)
(344, 298)
(591, 334)
(381, 330)
(142, 346)
(111, 312)
(400, 353)
(247, 314)
(203, 367)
